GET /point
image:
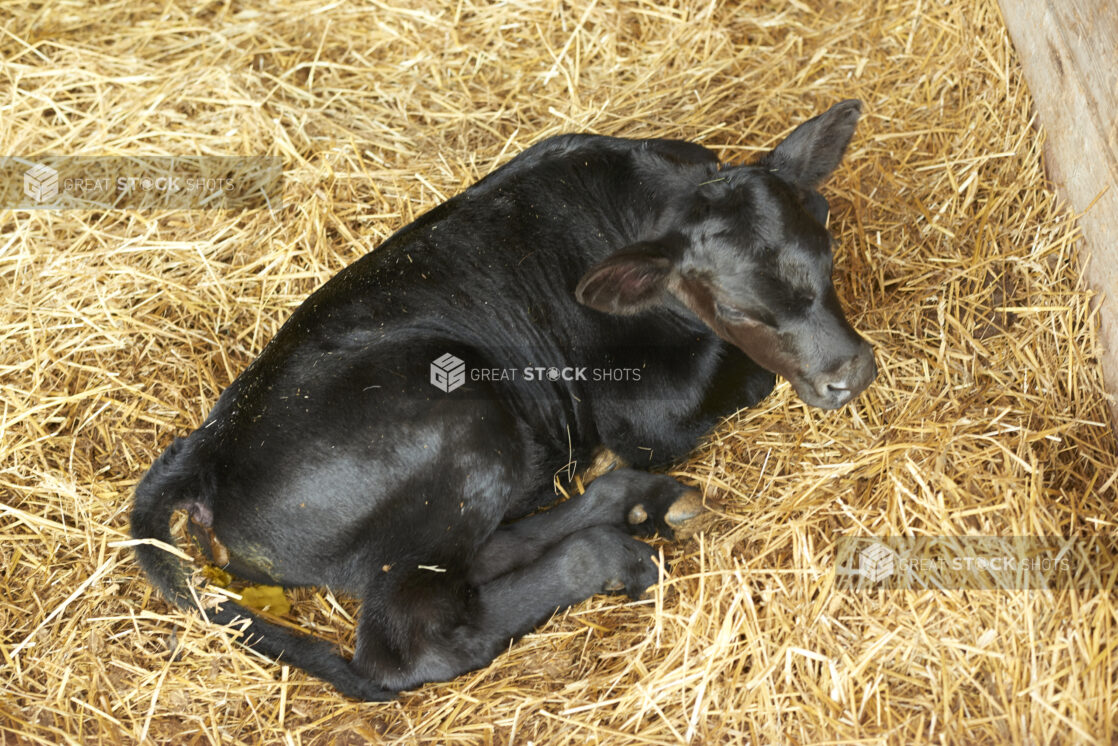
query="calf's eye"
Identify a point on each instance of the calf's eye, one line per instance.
(731, 313)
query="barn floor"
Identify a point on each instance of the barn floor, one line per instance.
(119, 328)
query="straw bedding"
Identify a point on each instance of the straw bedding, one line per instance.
(118, 329)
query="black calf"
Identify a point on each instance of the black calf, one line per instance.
(592, 292)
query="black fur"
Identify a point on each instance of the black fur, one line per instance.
(333, 461)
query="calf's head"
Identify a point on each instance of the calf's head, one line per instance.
(748, 252)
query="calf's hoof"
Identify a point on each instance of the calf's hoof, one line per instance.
(637, 515)
(604, 462)
(672, 509)
(688, 506)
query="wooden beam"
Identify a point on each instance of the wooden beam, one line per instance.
(1069, 53)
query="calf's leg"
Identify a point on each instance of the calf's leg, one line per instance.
(636, 501)
(447, 627)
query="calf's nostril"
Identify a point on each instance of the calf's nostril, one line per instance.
(837, 392)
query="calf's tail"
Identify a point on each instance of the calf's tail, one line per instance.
(178, 480)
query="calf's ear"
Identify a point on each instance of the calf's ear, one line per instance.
(817, 207)
(814, 149)
(630, 281)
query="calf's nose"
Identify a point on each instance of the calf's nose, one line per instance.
(849, 379)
